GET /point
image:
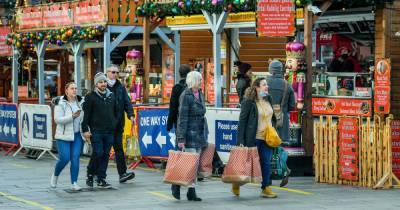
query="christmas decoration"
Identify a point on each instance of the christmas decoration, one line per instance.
(57, 37)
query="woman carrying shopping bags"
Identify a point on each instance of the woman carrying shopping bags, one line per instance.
(255, 114)
(192, 127)
(68, 116)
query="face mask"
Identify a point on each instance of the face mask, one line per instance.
(111, 82)
(345, 56)
(262, 94)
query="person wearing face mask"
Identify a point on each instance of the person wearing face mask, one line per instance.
(255, 114)
(124, 105)
(98, 127)
(344, 62)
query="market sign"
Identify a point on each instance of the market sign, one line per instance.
(382, 86)
(396, 147)
(5, 50)
(342, 106)
(348, 148)
(275, 18)
(86, 12)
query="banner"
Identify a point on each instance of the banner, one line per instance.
(275, 18)
(396, 147)
(55, 15)
(348, 148)
(9, 124)
(5, 49)
(342, 106)
(154, 139)
(382, 86)
(90, 11)
(35, 122)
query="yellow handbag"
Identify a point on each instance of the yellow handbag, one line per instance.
(271, 137)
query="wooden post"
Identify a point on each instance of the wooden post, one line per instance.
(307, 126)
(146, 58)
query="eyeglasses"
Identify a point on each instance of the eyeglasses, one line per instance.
(114, 72)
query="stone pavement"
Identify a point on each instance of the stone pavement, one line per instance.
(24, 184)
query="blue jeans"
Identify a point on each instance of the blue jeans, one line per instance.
(101, 145)
(265, 154)
(69, 151)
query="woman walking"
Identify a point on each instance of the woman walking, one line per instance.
(192, 125)
(255, 114)
(68, 116)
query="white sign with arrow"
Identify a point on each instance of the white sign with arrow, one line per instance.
(147, 140)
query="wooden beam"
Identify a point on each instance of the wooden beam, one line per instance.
(324, 7)
(146, 58)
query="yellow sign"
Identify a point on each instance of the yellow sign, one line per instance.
(199, 19)
(299, 13)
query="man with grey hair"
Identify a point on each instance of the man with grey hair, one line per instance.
(283, 101)
(98, 127)
(124, 105)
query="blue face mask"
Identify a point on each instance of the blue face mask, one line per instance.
(262, 94)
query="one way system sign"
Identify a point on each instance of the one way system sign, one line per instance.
(153, 136)
(8, 124)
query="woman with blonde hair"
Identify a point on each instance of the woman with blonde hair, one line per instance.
(68, 116)
(255, 114)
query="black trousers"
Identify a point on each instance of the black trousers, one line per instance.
(119, 153)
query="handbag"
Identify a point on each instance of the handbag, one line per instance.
(271, 137)
(206, 160)
(239, 167)
(181, 168)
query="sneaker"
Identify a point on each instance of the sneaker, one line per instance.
(267, 193)
(126, 176)
(101, 183)
(76, 187)
(53, 181)
(285, 179)
(89, 181)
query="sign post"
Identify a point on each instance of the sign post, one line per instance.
(9, 126)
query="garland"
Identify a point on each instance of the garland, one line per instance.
(57, 37)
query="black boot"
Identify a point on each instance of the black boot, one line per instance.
(191, 195)
(176, 191)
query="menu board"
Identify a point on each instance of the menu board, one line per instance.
(348, 149)
(396, 147)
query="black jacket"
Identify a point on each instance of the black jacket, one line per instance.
(192, 126)
(123, 104)
(174, 104)
(100, 113)
(242, 84)
(248, 122)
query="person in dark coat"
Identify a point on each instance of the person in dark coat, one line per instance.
(124, 105)
(98, 127)
(192, 127)
(276, 85)
(255, 114)
(244, 79)
(174, 100)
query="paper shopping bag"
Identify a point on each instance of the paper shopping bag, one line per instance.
(206, 159)
(181, 168)
(239, 167)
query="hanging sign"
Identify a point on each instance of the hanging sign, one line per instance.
(382, 86)
(342, 106)
(168, 67)
(29, 17)
(5, 50)
(210, 83)
(348, 148)
(57, 15)
(275, 18)
(90, 11)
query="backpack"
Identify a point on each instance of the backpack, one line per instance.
(278, 108)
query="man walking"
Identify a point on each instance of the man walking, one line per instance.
(283, 101)
(124, 105)
(98, 127)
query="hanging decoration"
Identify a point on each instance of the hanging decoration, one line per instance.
(57, 37)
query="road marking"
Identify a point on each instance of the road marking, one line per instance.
(286, 189)
(19, 165)
(148, 169)
(162, 195)
(31, 203)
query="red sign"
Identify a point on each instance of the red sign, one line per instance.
(89, 11)
(396, 147)
(210, 83)
(57, 15)
(275, 18)
(168, 67)
(342, 106)
(348, 148)
(29, 17)
(5, 50)
(382, 86)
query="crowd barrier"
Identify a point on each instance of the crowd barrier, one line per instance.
(354, 151)
(9, 128)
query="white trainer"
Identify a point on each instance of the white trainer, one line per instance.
(53, 181)
(76, 187)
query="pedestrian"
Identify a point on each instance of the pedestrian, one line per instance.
(124, 105)
(255, 114)
(244, 79)
(283, 101)
(192, 126)
(174, 100)
(98, 127)
(68, 117)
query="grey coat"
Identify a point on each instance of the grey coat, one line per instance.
(192, 125)
(276, 86)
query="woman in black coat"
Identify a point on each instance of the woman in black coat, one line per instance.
(255, 114)
(192, 127)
